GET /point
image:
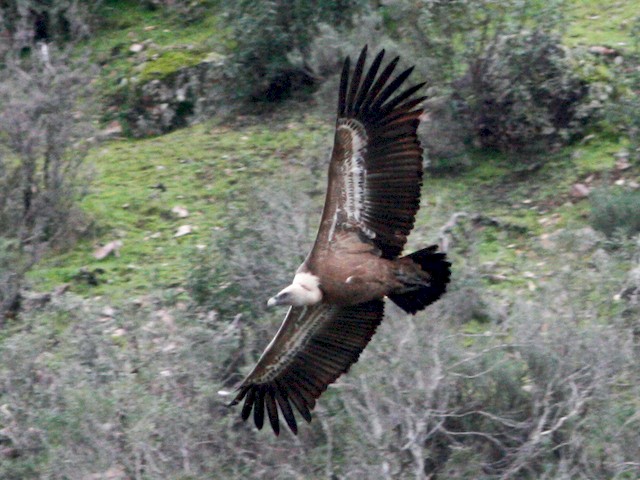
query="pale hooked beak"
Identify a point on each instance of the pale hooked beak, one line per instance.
(273, 301)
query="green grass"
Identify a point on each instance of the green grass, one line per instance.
(169, 62)
(597, 156)
(127, 22)
(200, 168)
(608, 23)
(169, 42)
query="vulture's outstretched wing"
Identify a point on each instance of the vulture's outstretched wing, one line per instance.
(375, 172)
(313, 347)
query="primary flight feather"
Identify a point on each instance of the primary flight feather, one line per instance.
(336, 297)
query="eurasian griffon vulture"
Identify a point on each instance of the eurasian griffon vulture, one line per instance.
(336, 297)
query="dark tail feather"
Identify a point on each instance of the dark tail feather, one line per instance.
(438, 268)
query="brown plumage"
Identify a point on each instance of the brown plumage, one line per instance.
(336, 298)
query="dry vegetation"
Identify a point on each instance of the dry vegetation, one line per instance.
(482, 385)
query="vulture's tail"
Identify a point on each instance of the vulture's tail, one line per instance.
(419, 294)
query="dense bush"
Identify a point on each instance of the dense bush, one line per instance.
(615, 211)
(187, 10)
(498, 75)
(445, 38)
(521, 94)
(267, 33)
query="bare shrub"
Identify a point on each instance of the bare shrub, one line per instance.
(134, 392)
(24, 22)
(520, 399)
(44, 127)
(480, 385)
(11, 276)
(252, 257)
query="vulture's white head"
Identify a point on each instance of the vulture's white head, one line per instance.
(304, 290)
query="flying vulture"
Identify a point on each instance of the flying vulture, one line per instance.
(336, 297)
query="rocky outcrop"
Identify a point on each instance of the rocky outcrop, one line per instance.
(177, 99)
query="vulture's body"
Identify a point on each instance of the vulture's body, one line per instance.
(336, 296)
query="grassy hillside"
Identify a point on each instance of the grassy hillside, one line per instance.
(202, 169)
(168, 42)
(601, 23)
(204, 166)
(137, 184)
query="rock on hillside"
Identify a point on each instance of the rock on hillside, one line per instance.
(177, 99)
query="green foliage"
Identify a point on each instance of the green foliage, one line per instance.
(268, 32)
(500, 77)
(615, 211)
(521, 95)
(448, 36)
(167, 63)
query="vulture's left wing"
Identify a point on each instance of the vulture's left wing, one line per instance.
(313, 347)
(375, 173)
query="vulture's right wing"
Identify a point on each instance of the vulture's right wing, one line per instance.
(313, 347)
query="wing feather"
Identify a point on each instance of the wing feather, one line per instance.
(355, 82)
(375, 174)
(285, 408)
(258, 409)
(391, 88)
(382, 79)
(272, 410)
(389, 106)
(344, 84)
(368, 81)
(314, 346)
